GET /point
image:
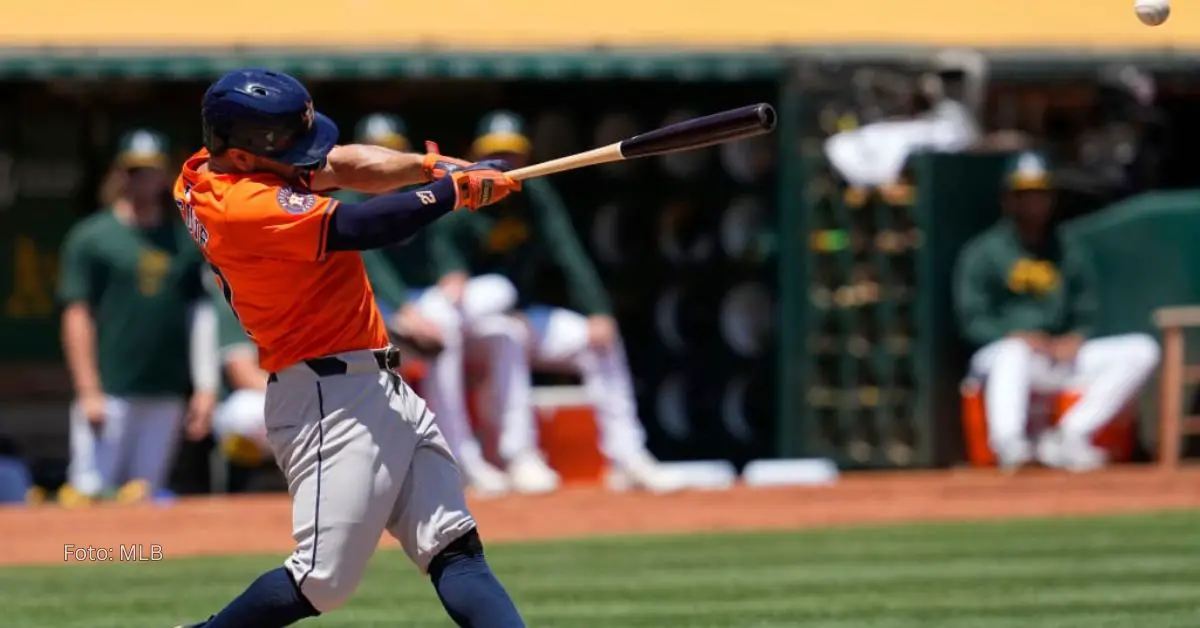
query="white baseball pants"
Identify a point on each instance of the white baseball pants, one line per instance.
(137, 441)
(1108, 371)
(481, 321)
(560, 341)
(361, 454)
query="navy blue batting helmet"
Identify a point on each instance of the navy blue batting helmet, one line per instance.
(269, 114)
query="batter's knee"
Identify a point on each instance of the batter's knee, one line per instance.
(466, 546)
(327, 592)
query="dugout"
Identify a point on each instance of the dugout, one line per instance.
(754, 327)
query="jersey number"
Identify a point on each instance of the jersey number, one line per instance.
(227, 292)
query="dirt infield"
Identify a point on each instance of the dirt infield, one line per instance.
(263, 524)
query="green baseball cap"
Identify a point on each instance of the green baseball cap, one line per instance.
(501, 132)
(142, 148)
(1027, 170)
(383, 129)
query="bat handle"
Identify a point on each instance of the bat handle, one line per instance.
(602, 155)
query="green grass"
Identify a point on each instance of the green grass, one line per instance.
(1138, 572)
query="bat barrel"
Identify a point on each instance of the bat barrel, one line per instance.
(734, 124)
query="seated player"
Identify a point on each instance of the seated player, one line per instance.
(1025, 298)
(522, 241)
(442, 324)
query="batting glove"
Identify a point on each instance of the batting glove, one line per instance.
(436, 166)
(482, 184)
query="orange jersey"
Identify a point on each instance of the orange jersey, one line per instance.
(265, 240)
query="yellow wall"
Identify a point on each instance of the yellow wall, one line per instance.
(543, 23)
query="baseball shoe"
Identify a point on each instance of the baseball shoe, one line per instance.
(1061, 451)
(643, 471)
(1014, 455)
(133, 492)
(1079, 455)
(35, 496)
(485, 479)
(70, 497)
(530, 474)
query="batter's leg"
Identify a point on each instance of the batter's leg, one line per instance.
(561, 338)
(156, 425)
(1110, 372)
(345, 445)
(437, 533)
(98, 453)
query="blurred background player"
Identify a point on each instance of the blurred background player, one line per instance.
(1026, 299)
(238, 421)
(519, 241)
(130, 278)
(441, 322)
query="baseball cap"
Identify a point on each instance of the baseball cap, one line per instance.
(501, 132)
(142, 148)
(383, 129)
(1027, 170)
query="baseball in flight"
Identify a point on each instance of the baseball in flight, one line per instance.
(1152, 12)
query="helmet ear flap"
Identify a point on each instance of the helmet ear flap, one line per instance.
(211, 139)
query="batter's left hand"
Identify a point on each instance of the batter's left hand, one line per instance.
(199, 415)
(437, 165)
(482, 184)
(602, 332)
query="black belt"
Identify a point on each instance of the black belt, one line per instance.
(388, 360)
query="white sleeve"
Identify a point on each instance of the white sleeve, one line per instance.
(205, 365)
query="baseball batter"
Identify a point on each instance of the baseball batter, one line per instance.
(360, 451)
(238, 423)
(470, 314)
(1027, 298)
(129, 277)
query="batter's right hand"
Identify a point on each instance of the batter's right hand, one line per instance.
(436, 165)
(482, 184)
(93, 406)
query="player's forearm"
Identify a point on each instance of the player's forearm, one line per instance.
(389, 218)
(79, 348)
(369, 169)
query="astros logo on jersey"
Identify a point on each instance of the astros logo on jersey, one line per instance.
(294, 202)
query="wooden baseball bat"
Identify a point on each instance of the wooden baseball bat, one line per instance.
(734, 124)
